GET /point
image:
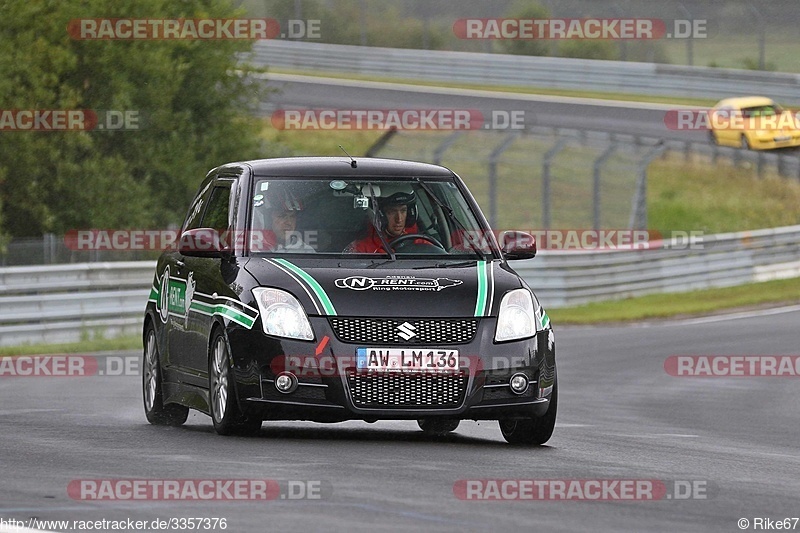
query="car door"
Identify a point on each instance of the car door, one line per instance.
(205, 283)
(729, 134)
(173, 293)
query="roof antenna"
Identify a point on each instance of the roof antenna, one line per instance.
(353, 162)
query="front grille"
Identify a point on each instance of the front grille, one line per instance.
(421, 331)
(407, 391)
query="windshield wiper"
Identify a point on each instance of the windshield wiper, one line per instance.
(466, 237)
(453, 263)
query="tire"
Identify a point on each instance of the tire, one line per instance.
(152, 393)
(533, 431)
(712, 138)
(438, 427)
(745, 143)
(223, 405)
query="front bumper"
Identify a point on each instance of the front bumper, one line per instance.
(329, 389)
(774, 140)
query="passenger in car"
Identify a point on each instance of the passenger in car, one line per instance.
(278, 217)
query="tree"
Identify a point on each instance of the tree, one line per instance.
(589, 49)
(194, 113)
(527, 47)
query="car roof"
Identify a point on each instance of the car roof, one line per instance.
(745, 101)
(341, 166)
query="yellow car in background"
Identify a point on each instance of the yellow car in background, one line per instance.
(754, 123)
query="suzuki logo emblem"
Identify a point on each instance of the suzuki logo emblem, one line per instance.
(406, 330)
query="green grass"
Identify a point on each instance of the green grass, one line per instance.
(733, 49)
(699, 196)
(321, 143)
(132, 342)
(684, 304)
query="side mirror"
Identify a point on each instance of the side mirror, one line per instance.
(517, 245)
(201, 242)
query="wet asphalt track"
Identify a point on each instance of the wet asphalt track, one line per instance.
(621, 417)
(631, 118)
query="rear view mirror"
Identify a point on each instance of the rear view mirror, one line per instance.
(517, 245)
(201, 242)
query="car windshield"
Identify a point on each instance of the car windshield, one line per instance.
(410, 217)
(761, 111)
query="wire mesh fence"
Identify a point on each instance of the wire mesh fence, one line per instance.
(537, 179)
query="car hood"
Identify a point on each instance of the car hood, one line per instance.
(419, 289)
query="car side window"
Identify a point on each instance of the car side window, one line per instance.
(216, 213)
(194, 216)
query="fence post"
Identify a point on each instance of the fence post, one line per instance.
(782, 165)
(638, 219)
(445, 145)
(548, 159)
(496, 153)
(714, 152)
(381, 142)
(598, 165)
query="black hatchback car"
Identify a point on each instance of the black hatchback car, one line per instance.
(332, 289)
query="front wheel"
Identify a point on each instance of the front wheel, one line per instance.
(225, 413)
(152, 391)
(532, 431)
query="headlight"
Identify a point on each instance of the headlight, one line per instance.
(282, 315)
(517, 318)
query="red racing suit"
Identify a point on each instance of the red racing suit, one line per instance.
(372, 244)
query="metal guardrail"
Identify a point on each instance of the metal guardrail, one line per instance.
(545, 72)
(65, 302)
(563, 278)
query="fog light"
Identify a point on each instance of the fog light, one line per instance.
(518, 383)
(286, 382)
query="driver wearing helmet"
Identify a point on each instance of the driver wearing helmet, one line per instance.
(277, 214)
(398, 217)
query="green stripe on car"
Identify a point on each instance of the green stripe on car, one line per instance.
(223, 310)
(545, 319)
(320, 293)
(480, 303)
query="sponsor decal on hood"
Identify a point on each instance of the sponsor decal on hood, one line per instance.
(464, 290)
(396, 283)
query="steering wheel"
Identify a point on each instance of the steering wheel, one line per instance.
(408, 237)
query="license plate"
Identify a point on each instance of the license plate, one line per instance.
(781, 138)
(406, 360)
